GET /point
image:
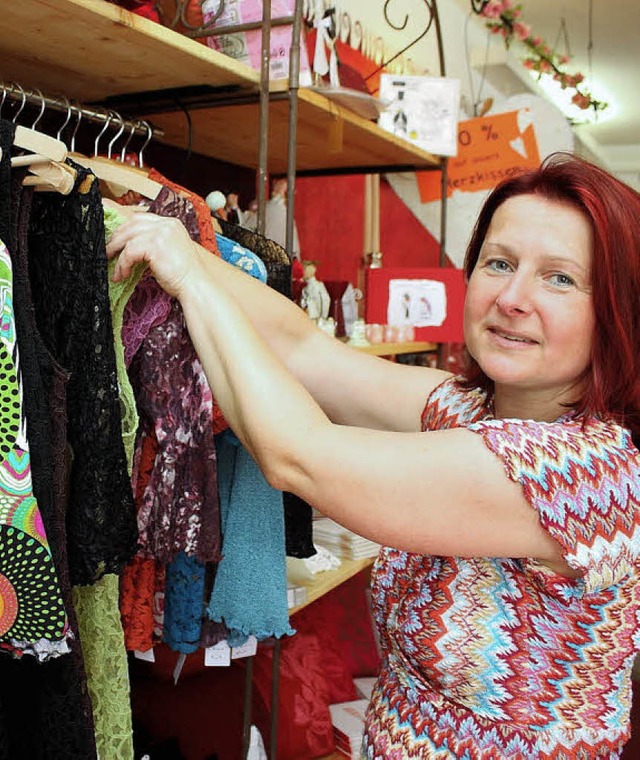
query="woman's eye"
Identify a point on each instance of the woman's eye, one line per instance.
(563, 280)
(498, 265)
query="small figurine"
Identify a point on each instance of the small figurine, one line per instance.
(314, 298)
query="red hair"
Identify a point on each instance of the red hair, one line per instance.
(612, 382)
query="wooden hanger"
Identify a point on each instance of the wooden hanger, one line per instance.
(52, 176)
(45, 158)
(117, 177)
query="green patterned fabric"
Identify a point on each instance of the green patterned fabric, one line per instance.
(119, 295)
(105, 660)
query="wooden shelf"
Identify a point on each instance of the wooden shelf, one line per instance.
(393, 349)
(329, 137)
(89, 50)
(326, 581)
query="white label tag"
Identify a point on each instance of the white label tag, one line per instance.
(218, 656)
(248, 649)
(147, 656)
(178, 668)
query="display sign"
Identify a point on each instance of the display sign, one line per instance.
(422, 110)
(490, 149)
(429, 299)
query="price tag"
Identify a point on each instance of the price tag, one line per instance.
(248, 649)
(178, 668)
(218, 656)
(147, 656)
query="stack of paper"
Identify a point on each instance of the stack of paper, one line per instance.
(348, 726)
(341, 541)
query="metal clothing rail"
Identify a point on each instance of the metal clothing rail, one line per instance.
(15, 92)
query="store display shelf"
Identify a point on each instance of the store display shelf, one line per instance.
(393, 349)
(326, 581)
(330, 139)
(90, 50)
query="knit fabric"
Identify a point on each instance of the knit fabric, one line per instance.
(493, 658)
(250, 590)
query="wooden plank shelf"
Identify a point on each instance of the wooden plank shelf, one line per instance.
(90, 50)
(326, 581)
(330, 138)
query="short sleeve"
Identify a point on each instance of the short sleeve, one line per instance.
(583, 480)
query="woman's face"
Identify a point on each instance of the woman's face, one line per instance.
(528, 313)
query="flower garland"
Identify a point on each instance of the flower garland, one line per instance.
(502, 17)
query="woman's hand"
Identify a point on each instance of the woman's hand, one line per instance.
(164, 244)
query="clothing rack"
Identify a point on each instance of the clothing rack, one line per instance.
(92, 113)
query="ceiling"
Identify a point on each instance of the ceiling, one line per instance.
(615, 66)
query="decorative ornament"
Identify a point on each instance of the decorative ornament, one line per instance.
(503, 18)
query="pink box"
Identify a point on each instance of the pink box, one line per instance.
(246, 46)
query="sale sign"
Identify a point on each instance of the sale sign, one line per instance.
(490, 149)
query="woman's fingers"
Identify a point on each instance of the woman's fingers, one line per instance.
(161, 242)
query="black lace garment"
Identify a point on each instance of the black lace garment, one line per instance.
(68, 274)
(45, 710)
(272, 255)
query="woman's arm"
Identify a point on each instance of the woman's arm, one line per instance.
(350, 386)
(438, 493)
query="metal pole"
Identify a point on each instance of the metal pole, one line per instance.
(263, 124)
(275, 689)
(294, 84)
(246, 716)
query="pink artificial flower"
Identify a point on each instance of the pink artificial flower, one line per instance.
(493, 9)
(582, 101)
(544, 66)
(537, 41)
(522, 30)
(529, 63)
(564, 59)
(577, 78)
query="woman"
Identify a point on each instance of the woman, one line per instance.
(507, 606)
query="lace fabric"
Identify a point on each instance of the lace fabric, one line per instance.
(149, 305)
(106, 662)
(273, 255)
(68, 274)
(59, 721)
(180, 510)
(143, 578)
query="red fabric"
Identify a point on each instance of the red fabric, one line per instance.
(342, 622)
(304, 720)
(143, 578)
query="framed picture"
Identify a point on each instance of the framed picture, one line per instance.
(429, 299)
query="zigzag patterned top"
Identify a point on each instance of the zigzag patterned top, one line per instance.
(503, 658)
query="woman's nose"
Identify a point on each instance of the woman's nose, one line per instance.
(515, 295)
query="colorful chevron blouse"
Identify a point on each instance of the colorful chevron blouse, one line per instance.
(503, 658)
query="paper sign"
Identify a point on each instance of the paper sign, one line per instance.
(248, 649)
(421, 303)
(147, 656)
(490, 149)
(423, 110)
(218, 656)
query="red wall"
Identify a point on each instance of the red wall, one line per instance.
(329, 214)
